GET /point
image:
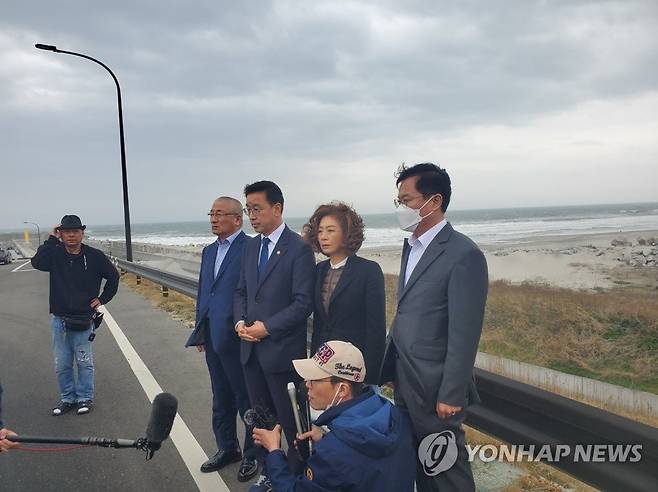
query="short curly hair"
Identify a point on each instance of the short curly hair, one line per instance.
(351, 223)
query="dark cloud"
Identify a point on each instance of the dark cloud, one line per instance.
(220, 93)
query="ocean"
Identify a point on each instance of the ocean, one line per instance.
(494, 226)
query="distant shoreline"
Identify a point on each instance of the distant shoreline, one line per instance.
(586, 261)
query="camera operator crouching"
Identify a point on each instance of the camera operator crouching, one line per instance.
(369, 443)
(76, 271)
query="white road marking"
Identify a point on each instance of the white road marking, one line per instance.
(188, 447)
(18, 268)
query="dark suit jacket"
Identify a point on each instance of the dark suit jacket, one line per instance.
(214, 306)
(282, 299)
(357, 311)
(437, 327)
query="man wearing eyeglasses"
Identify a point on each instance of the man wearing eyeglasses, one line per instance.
(434, 337)
(273, 301)
(214, 335)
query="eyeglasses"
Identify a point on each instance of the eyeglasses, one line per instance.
(405, 201)
(252, 211)
(314, 381)
(220, 214)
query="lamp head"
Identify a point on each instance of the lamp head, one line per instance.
(47, 47)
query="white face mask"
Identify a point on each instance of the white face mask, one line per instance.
(333, 400)
(409, 218)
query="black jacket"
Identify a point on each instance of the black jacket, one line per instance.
(357, 311)
(281, 298)
(75, 279)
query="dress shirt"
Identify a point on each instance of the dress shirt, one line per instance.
(222, 249)
(418, 247)
(274, 238)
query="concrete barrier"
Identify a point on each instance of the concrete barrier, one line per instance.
(608, 396)
(24, 249)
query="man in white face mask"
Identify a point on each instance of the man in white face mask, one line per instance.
(369, 446)
(434, 337)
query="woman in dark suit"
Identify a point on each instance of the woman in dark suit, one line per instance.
(349, 299)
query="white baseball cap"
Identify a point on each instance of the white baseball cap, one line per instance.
(334, 358)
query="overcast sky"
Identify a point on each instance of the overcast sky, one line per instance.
(525, 103)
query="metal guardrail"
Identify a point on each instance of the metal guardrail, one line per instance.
(524, 415)
(184, 285)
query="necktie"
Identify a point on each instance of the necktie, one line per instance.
(264, 254)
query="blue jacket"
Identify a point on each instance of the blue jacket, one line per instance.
(214, 306)
(282, 298)
(370, 447)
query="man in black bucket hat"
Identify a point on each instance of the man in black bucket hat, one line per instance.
(76, 271)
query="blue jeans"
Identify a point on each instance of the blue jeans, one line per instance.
(70, 346)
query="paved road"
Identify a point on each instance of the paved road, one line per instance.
(123, 408)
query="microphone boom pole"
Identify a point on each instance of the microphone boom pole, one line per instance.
(163, 413)
(104, 442)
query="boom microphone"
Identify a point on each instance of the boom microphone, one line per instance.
(163, 413)
(162, 418)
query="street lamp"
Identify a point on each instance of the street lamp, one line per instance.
(38, 230)
(126, 210)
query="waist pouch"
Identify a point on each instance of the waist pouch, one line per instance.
(77, 322)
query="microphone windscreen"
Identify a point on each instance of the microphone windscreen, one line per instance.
(163, 413)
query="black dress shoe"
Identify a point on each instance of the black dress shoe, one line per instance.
(248, 469)
(220, 460)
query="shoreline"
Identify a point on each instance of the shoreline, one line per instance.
(583, 261)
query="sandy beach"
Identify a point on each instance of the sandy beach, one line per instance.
(597, 261)
(576, 262)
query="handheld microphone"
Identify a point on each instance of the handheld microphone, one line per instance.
(292, 394)
(162, 418)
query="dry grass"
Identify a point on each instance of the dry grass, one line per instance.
(179, 306)
(610, 336)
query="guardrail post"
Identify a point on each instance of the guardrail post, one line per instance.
(165, 291)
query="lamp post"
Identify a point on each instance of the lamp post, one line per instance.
(38, 230)
(126, 210)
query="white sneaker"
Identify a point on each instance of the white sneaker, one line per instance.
(85, 407)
